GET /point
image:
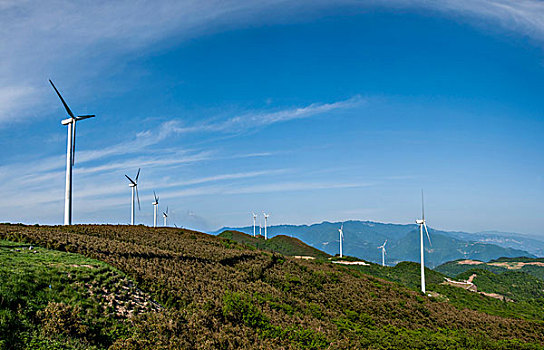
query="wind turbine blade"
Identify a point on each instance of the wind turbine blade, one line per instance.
(137, 175)
(428, 237)
(138, 196)
(154, 195)
(129, 179)
(166, 210)
(81, 117)
(422, 206)
(63, 102)
(73, 142)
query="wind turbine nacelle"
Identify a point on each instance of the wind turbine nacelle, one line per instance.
(420, 222)
(66, 121)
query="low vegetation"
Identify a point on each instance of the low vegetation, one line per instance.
(285, 245)
(220, 294)
(531, 266)
(517, 290)
(50, 300)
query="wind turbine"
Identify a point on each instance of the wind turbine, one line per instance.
(165, 216)
(155, 209)
(254, 219)
(134, 186)
(265, 221)
(260, 226)
(70, 155)
(341, 231)
(422, 225)
(382, 247)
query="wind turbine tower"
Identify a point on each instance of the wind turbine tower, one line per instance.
(155, 209)
(70, 155)
(382, 247)
(265, 222)
(341, 231)
(134, 186)
(165, 216)
(422, 225)
(254, 219)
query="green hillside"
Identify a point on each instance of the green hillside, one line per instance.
(219, 294)
(526, 290)
(406, 273)
(281, 244)
(516, 285)
(523, 288)
(531, 266)
(55, 300)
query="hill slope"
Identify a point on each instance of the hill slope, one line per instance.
(281, 244)
(221, 294)
(515, 285)
(363, 237)
(531, 266)
(51, 299)
(524, 289)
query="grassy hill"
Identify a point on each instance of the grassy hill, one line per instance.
(516, 285)
(219, 294)
(408, 274)
(57, 300)
(281, 244)
(531, 266)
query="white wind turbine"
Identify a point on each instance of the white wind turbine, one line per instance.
(254, 219)
(265, 222)
(70, 155)
(165, 216)
(341, 231)
(422, 225)
(134, 186)
(155, 209)
(382, 247)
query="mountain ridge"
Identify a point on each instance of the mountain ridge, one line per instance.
(361, 239)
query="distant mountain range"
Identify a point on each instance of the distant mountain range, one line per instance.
(361, 239)
(504, 239)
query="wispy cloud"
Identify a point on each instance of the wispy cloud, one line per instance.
(256, 119)
(38, 37)
(222, 177)
(24, 174)
(279, 187)
(523, 16)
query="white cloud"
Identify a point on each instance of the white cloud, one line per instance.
(256, 119)
(523, 16)
(279, 187)
(77, 40)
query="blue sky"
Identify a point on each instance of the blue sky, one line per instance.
(307, 110)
